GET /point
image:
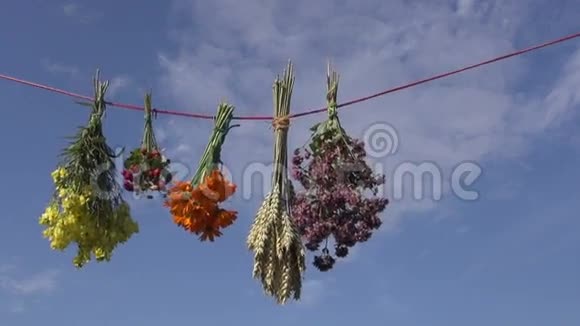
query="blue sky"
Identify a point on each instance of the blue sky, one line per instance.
(508, 258)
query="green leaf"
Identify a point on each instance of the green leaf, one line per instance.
(314, 127)
(89, 104)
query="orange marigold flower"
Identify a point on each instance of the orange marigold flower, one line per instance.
(196, 209)
(217, 187)
(200, 196)
(178, 198)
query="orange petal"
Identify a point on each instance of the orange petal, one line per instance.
(179, 209)
(217, 183)
(200, 197)
(181, 221)
(226, 218)
(209, 193)
(210, 234)
(196, 225)
(180, 187)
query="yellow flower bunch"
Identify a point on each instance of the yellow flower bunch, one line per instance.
(68, 219)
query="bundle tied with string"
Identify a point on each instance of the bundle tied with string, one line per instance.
(279, 257)
(146, 169)
(194, 205)
(87, 207)
(338, 201)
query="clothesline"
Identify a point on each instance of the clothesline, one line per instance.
(307, 112)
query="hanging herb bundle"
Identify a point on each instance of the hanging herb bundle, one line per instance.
(87, 207)
(279, 257)
(335, 179)
(194, 205)
(146, 170)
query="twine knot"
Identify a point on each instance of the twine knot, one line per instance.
(281, 123)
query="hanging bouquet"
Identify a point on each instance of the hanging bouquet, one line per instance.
(146, 170)
(194, 205)
(335, 178)
(279, 257)
(87, 207)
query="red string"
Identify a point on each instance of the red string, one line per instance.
(309, 112)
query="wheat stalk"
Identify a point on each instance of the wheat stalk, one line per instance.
(279, 257)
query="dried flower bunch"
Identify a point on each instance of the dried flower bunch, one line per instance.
(87, 207)
(194, 205)
(338, 202)
(279, 257)
(146, 170)
(335, 177)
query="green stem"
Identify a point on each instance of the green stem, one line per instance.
(99, 104)
(211, 155)
(332, 93)
(88, 154)
(282, 99)
(332, 126)
(149, 142)
(332, 79)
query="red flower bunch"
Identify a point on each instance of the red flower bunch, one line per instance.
(146, 171)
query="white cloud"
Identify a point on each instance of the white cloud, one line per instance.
(353, 253)
(117, 84)
(506, 191)
(70, 9)
(43, 282)
(390, 305)
(80, 13)
(60, 68)
(566, 93)
(475, 116)
(7, 268)
(17, 308)
(463, 229)
(464, 7)
(312, 292)
(183, 148)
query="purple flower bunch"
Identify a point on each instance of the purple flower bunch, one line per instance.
(335, 201)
